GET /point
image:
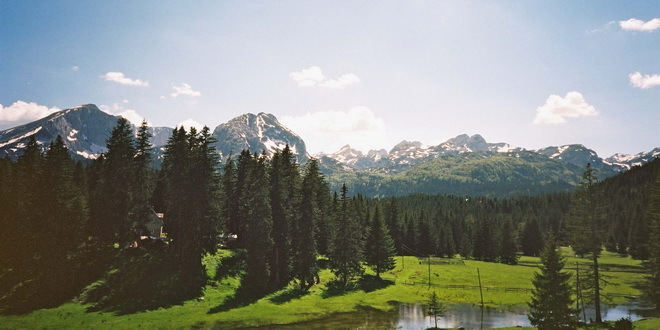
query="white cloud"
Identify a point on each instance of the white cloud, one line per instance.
(639, 25)
(328, 131)
(75, 68)
(188, 123)
(341, 82)
(308, 77)
(313, 76)
(556, 109)
(21, 112)
(644, 81)
(186, 90)
(120, 78)
(117, 109)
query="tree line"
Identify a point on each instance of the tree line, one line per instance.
(64, 225)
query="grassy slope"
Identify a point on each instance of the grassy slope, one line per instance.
(287, 307)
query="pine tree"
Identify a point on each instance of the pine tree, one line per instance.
(486, 245)
(508, 248)
(427, 242)
(446, 244)
(67, 207)
(393, 220)
(653, 265)
(229, 189)
(238, 209)
(379, 248)
(532, 239)
(346, 252)
(143, 180)
(587, 228)
(325, 225)
(550, 307)
(8, 223)
(110, 220)
(434, 308)
(258, 229)
(30, 210)
(192, 206)
(284, 197)
(305, 267)
(466, 248)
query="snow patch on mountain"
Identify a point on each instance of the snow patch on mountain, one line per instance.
(23, 136)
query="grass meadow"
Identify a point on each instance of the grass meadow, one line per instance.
(289, 305)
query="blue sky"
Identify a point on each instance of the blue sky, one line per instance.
(368, 73)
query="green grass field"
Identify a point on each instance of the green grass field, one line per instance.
(291, 306)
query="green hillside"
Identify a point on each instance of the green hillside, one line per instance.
(476, 174)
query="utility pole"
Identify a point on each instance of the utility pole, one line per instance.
(579, 293)
(429, 272)
(481, 292)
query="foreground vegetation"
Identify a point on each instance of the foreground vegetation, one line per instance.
(220, 308)
(90, 232)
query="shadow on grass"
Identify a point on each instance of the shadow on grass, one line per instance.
(241, 298)
(338, 288)
(288, 295)
(48, 283)
(142, 280)
(366, 283)
(369, 283)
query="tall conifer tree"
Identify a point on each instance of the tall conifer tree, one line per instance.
(508, 248)
(347, 248)
(379, 247)
(587, 228)
(653, 265)
(550, 307)
(305, 267)
(258, 229)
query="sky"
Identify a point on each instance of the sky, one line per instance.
(365, 73)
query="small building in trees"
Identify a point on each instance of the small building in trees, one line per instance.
(154, 224)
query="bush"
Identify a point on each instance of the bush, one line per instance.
(623, 324)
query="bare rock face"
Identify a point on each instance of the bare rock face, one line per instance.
(257, 133)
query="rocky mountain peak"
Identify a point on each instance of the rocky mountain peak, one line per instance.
(257, 133)
(466, 143)
(406, 145)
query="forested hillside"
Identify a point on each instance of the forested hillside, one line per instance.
(476, 174)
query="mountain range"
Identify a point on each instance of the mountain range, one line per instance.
(461, 165)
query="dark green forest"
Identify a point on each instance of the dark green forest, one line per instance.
(65, 225)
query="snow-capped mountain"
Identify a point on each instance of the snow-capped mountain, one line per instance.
(257, 133)
(577, 154)
(625, 162)
(408, 154)
(84, 130)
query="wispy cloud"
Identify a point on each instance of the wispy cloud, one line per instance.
(117, 109)
(634, 24)
(75, 68)
(644, 81)
(556, 109)
(313, 76)
(21, 112)
(121, 78)
(329, 130)
(186, 90)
